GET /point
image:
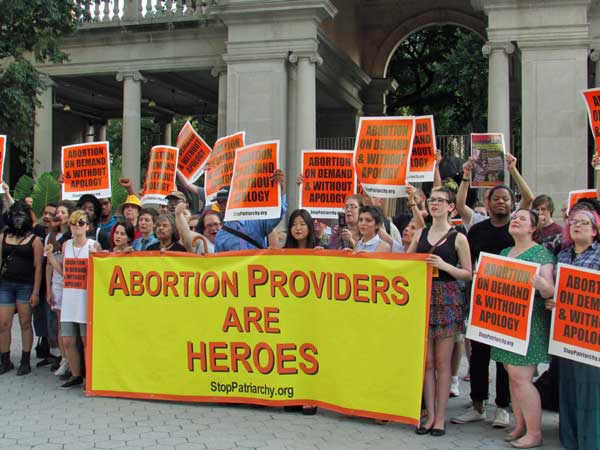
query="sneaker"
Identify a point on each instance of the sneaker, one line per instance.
(73, 382)
(62, 368)
(454, 387)
(502, 419)
(471, 415)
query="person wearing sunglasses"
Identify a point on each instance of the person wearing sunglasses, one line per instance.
(449, 256)
(579, 384)
(74, 267)
(526, 404)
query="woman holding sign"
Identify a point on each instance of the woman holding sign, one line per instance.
(447, 249)
(580, 383)
(526, 403)
(74, 267)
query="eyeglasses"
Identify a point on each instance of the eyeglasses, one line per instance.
(583, 223)
(210, 225)
(80, 223)
(350, 207)
(437, 200)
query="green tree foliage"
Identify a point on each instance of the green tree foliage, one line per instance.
(30, 31)
(441, 71)
(23, 188)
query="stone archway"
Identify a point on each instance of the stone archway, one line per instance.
(377, 66)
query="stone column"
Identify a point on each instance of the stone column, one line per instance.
(374, 96)
(595, 57)
(221, 72)
(42, 133)
(499, 88)
(102, 132)
(166, 132)
(131, 143)
(305, 118)
(89, 132)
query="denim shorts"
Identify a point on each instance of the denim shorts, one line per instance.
(73, 329)
(12, 293)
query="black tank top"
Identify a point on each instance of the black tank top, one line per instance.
(17, 261)
(446, 251)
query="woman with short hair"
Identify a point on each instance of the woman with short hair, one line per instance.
(579, 384)
(73, 267)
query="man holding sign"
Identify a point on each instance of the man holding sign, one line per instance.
(250, 234)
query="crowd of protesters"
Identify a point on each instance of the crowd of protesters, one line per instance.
(36, 255)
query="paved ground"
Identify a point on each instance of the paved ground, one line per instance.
(35, 414)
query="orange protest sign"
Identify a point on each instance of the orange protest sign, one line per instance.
(382, 153)
(193, 153)
(575, 329)
(502, 302)
(422, 158)
(2, 157)
(575, 196)
(328, 179)
(86, 170)
(253, 194)
(75, 273)
(218, 174)
(592, 101)
(160, 176)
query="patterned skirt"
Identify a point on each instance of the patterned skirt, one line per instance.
(446, 310)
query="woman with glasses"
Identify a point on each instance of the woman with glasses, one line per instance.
(579, 384)
(346, 232)
(74, 267)
(526, 403)
(20, 280)
(450, 259)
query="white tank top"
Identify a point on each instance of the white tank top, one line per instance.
(75, 268)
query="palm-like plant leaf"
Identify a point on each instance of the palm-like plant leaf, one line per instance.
(23, 188)
(45, 190)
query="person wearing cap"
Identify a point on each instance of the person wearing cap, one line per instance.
(221, 199)
(130, 210)
(253, 231)
(174, 199)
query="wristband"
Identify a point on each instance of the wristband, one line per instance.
(466, 180)
(412, 205)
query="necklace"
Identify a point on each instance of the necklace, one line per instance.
(77, 253)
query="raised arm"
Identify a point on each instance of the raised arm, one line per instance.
(466, 213)
(413, 205)
(437, 177)
(596, 166)
(526, 194)
(7, 196)
(183, 228)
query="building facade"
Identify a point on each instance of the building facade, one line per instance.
(298, 70)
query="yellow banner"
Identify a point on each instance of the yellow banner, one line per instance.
(344, 332)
